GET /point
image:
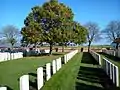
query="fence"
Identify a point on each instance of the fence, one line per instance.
(9, 56)
(96, 56)
(45, 73)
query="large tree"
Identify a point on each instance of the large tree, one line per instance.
(52, 23)
(78, 34)
(73, 32)
(93, 33)
(112, 30)
(51, 16)
(32, 34)
(11, 34)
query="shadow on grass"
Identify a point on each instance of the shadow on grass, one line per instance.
(90, 77)
(88, 59)
(8, 88)
(114, 58)
(33, 74)
(55, 54)
(33, 84)
(82, 86)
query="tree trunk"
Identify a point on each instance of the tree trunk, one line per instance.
(89, 44)
(62, 47)
(12, 45)
(35, 46)
(50, 48)
(117, 46)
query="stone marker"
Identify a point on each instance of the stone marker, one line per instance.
(60, 64)
(57, 64)
(48, 72)
(65, 59)
(111, 71)
(24, 82)
(113, 74)
(117, 76)
(40, 81)
(3, 88)
(54, 66)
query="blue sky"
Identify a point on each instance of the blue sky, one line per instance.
(99, 11)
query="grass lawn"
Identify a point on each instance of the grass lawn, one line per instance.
(113, 59)
(11, 71)
(65, 78)
(80, 73)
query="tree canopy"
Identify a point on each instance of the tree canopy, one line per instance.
(11, 34)
(52, 23)
(93, 33)
(112, 30)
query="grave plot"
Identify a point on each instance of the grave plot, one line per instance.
(91, 76)
(80, 73)
(5, 56)
(44, 73)
(14, 69)
(116, 64)
(112, 71)
(65, 78)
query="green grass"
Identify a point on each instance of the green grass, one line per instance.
(11, 71)
(65, 78)
(80, 73)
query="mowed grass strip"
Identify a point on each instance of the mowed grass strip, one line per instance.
(91, 76)
(11, 71)
(65, 78)
(82, 72)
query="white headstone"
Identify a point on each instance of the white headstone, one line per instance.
(54, 66)
(65, 59)
(99, 59)
(57, 64)
(40, 81)
(3, 88)
(1, 57)
(60, 64)
(106, 65)
(48, 71)
(110, 71)
(117, 76)
(113, 75)
(24, 82)
(8, 56)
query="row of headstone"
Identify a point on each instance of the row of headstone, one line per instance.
(10, 56)
(112, 71)
(45, 73)
(96, 56)
(110, 52)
